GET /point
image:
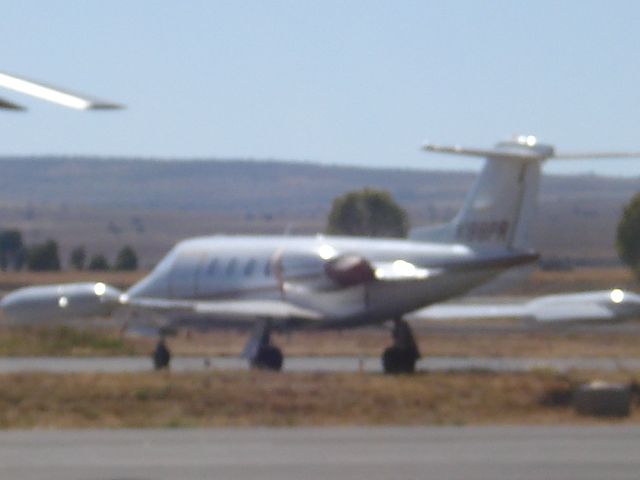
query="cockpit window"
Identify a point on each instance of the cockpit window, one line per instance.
(165, 264)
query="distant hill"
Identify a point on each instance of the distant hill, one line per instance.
(204, 185)
(150, 204)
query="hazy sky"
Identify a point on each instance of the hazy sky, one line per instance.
(341, 82)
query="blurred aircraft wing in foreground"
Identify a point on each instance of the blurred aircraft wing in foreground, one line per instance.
(50, 94)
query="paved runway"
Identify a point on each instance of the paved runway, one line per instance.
(312, 364)
(464, 453)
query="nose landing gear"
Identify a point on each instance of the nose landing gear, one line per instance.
(161, 355)
(260, 352)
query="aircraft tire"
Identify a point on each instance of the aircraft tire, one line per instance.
(396, 360)
(269, 358)
(161, 356)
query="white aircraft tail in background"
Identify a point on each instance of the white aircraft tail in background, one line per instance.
(501, 205)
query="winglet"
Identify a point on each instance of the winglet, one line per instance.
(7, 105)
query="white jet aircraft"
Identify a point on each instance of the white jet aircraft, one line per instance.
(286, 283)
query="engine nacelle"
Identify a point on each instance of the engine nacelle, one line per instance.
(349, 270)
(49, 303)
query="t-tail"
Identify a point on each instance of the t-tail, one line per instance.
(500, 207)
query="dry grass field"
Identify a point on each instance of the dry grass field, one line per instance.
(65, 341)
(262, 398)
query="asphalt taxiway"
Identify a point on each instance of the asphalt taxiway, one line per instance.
(312, 364)
(463, 453)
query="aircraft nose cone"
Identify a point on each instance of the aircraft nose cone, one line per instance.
(19, 305)
(9, 303)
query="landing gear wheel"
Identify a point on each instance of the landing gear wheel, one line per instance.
(399, 360)
(268, 358)
(402, 355)
(161, 356)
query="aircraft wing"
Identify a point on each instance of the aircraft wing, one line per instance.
(606, 305)
(78, 300)
(482, 152)
(53, 303)
(226, 309)
(61, 302)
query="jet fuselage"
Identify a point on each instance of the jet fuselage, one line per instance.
(295, 269)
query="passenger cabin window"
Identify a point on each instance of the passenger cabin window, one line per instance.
(249, 267)
(267, 268)
(213, 266)
(231, 267)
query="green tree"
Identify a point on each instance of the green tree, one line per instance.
(367, 212)
(78, 258)
(126, 259)
(628, 235)
(43, 257)
(11, 250)
(98, 262)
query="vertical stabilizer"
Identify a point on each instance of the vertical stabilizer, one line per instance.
(502, 202)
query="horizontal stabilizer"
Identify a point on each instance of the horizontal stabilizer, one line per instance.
(595, 155)
(524, 148)
(486, 152)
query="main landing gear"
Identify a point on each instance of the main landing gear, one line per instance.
(161, 355)
(401, 357)
(259, 350)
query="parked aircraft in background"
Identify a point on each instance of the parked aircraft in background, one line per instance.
(287, 283)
